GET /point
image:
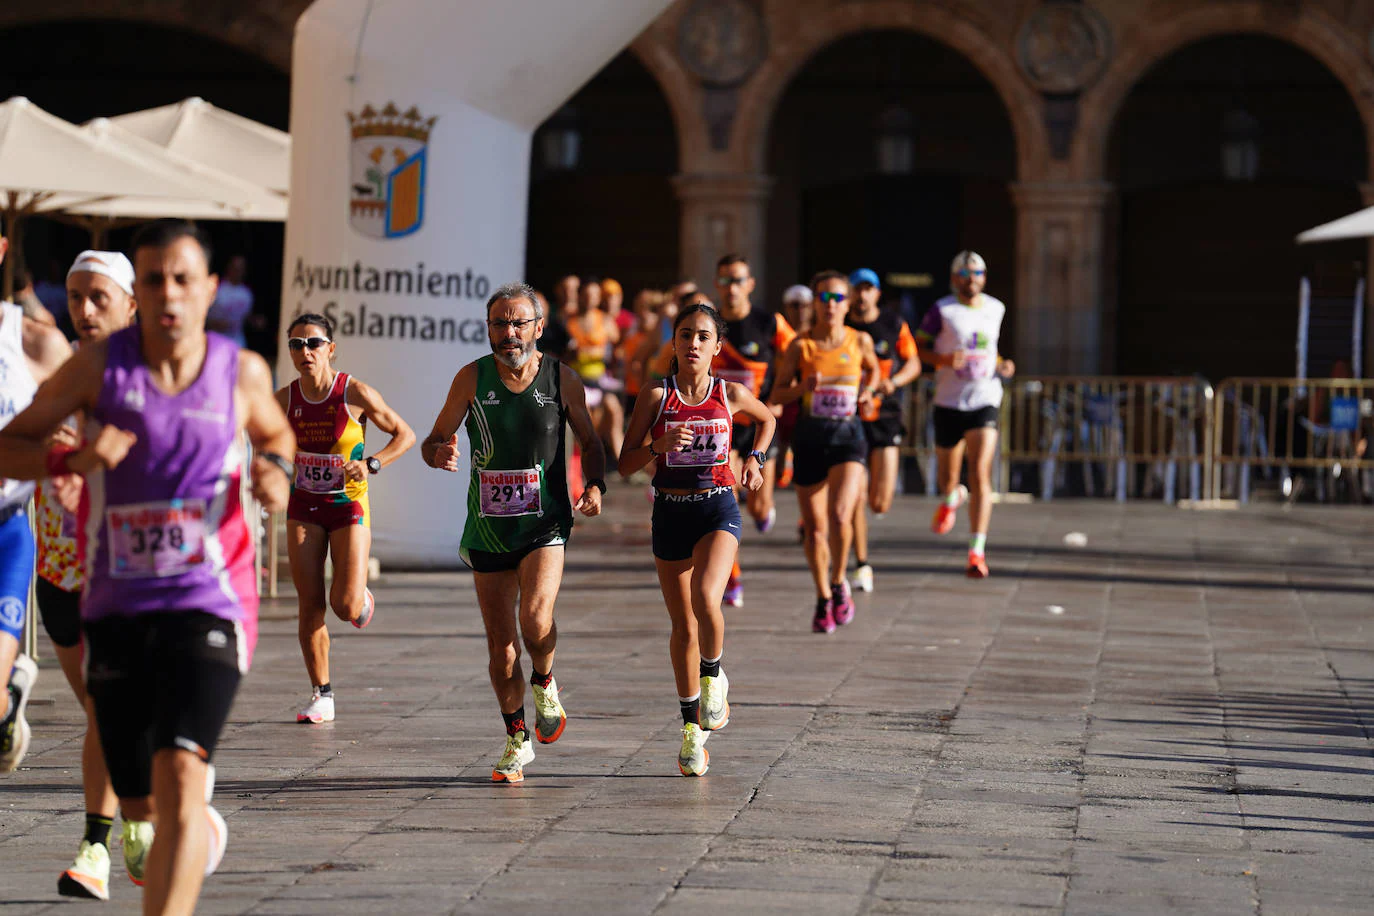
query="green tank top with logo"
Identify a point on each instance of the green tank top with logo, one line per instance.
(518, 494)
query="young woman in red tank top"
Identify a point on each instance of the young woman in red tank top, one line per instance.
(683, 424)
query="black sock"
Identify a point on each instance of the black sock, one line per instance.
(14, 704)
(98, 829)
(862, 561)
(691, 710)
(710, 669)
(325, 690)
(822, 606)
(541, 680)
(515, 721)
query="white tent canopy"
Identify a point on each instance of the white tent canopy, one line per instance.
(221, 195)
(231, 143)
(48, 165)
(1357, 225)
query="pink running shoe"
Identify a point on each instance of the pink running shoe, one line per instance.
(369, 608)
(824, 621)
(841, 604)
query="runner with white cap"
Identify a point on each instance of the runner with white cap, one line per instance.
(100, 301)
(958, 336)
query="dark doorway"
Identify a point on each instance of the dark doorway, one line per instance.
(891, 151)
(601, 194)
(1222, 153)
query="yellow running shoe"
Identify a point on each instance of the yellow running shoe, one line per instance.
(693, 760)
(715, 705)
(549, 717)
(137, 837)
(511, 766)
(89, 875)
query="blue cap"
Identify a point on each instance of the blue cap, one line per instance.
(864, 275)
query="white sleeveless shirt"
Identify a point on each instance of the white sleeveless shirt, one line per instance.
(17, 387)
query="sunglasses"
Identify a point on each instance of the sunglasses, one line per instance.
(731, 281)
(966, 273)
(314, 343)
(499, 324)
(831, 297)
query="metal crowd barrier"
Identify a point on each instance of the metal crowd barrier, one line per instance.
(1113, 436)
(1274, 428)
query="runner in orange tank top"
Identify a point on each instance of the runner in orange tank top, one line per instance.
(328, 515)
(834, 371)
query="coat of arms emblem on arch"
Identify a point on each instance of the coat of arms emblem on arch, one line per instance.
(387, 165)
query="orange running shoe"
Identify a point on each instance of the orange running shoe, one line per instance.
(977, 566)
(943, 522)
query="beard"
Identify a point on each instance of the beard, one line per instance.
(517, 359)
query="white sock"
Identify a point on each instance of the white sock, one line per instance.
(977, 544)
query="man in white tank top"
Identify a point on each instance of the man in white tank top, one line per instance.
(29, 353)
(959, 338)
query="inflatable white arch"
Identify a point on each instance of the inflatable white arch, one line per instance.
(411, 123)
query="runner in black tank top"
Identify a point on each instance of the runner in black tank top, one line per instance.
(898, 367)
(754, 339)
(696, 525)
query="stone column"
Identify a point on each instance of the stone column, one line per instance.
(722, 212)
(1061, 304)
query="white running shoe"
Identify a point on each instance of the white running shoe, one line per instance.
(219, 840)
(549, 716)
(319, 709)
(89, 875)
(715, 705)
(14, 730)
(863, 578)
(693, 760)
(511, 766)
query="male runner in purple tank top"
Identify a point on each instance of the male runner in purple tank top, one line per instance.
(170, 603)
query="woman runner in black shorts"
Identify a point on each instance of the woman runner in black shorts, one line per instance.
(696, 526)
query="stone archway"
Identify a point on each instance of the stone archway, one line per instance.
(1163, 32)
(262, 28)
(823, 26)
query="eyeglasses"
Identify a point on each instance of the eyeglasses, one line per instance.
(732, 281)
(499, 324)
(314, 343)
(966, 273)
(831, 297)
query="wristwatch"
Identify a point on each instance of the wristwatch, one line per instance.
(759, 456)
(374, 464)
(598, 483)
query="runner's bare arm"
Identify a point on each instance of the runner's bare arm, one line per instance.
(869, 385)
(634, 453)
(45, 348)
(73, 387)
(264, 423)
(787, 388)
(440, 448)
(742, 401)
(593, 455)
(911, 368)
(376, 409)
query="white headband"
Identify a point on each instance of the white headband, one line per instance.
(112, 264)
(967, 259)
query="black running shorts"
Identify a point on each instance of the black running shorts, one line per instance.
(60, 611)
(160, 680)
(951, 425)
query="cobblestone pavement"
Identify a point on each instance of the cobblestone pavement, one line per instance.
(1190, 734)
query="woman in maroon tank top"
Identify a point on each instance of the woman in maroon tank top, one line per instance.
(696, 524)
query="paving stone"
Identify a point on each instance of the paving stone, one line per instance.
(1191, 735)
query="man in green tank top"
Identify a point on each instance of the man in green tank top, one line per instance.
(516, 404)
